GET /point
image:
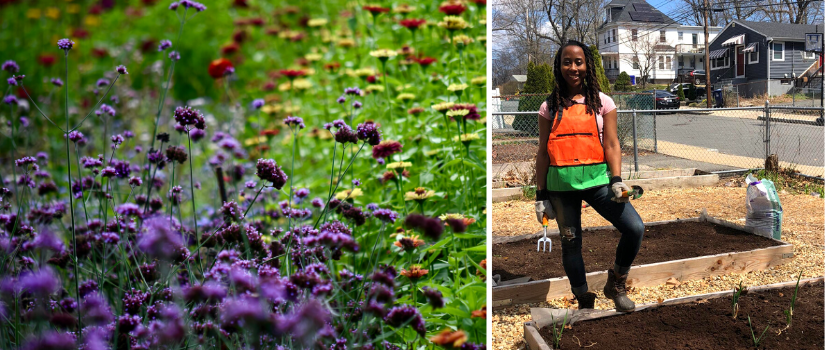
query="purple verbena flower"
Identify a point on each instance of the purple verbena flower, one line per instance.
(400, 315)
(10, 100)
(51, 340)
(268, 170)
(434, 296)
(25, 161)
(385, 148)
(161, 239)
(317, 202)
(117, 139)
(129, 209)
(174, 56)
(385, 215)
(12, 81)
(356, 105)
(65, 44)
(258, 103)
(341, 99)
(10, 66)
(102, 82)
(41, 283)
(352, 91)
(297, 121)
(121, 69)
(164, 44)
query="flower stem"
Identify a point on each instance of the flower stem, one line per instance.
(71, 199)
(192, 189)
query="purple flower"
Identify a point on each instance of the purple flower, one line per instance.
(47, 240)
(434, 296)
(25, 161)
(369, 133)
(129, 209)
(41, 283)
(302, 193)
(161, 240)
(345, 134)
(385, 215)
(117, 139)
(102, 82)
(290, 120)
(121, 69)
(57, 82)
(12, 81)
(189, 116)
(250, 184)
(303, 324)
(65, 44)
(51, 340)
(432, 227)
(352, 91)
(258, 103)
(24, 122)
(164, 44)
(174, 56)
(231, 212)
(268, 170)
(372, 206)
(109, 237)
(189, 3)
(122, 168)
(400, 315)
(317, 202)
(196, 134)
(75, 136)
(356, 105)
(473, 346)
(10, 66)
(356, 182)
(341, 99)
(87, 287)
(10, 100)
(104, 108)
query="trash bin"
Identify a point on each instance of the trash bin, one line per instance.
(632, 80)
(717, 96)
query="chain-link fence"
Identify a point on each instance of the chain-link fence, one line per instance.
(711, 140)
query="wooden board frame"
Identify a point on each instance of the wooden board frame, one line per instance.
(536, 342)
(649, 275)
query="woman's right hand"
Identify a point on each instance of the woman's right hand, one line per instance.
(543, 206)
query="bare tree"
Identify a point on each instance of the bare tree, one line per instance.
(645, 48)
(780, 11)
(519, 36)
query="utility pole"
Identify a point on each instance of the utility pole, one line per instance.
(707, 53)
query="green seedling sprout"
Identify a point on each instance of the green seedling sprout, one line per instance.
(756, 340)
(789, 312)
(737, 292)
(557, 332)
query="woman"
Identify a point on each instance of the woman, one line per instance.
(579, 159)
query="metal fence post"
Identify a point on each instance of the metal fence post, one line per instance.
(635, 145)
(655, 142)
(767, 130)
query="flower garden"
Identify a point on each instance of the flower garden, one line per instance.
(243, 175)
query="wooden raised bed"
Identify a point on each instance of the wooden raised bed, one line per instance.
(521, 292)
(542, 317)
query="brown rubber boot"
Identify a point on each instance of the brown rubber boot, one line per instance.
(616, 289)
(586, 300)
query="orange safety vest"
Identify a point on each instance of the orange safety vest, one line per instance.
(574, 138)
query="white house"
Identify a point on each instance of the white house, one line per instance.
(642, 41)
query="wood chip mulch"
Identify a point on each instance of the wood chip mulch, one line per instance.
(802, 226)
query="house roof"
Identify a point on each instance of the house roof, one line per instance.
(520, 78)
(780, 30)
(637, 11)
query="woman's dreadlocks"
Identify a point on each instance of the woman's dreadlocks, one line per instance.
(590, 85)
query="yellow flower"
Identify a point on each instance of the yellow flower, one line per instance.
(458, 112)
(396, 165)
(255, 141)
(92, 21)
(317, 22)
(52, 12)
(444, 217)
(419, 194)
(432, 153)
(441, 107)
(466, 137)
(479, 80)
(73, 8)
(453, 23)
(383, 53)
(347, 194)
(346, 42)
(482, 39)
(363, 72)
(374, 87)
(298, 84)
(312, 57)
(403, 8)
(462, 39)
(483, 120)
(405, 96)
(457, 87)
(33, 13)
(482, 22)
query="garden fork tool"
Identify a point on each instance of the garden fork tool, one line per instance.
(548, 246)
(636, 192)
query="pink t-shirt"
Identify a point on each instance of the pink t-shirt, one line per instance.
(607, 106)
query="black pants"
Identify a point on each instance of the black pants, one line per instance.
(568, 208)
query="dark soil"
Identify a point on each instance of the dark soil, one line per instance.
(515, 152)
(660, 243)
(708, 324)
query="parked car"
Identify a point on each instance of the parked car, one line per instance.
(665, 100)
(674, 88)
(697, 76)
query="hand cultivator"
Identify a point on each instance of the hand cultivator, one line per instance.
(636, 193)
(548, 246)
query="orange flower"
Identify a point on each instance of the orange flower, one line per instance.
(448, 338)
(414, 273)
(480, 313)
(409, 243)
(469, 221)
(218, 67)
(270, 132)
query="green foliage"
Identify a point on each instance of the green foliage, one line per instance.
(756, 340)
(623, 82)
(539, 81)
(529, 192)
(601, 76)
(737, 292)
(681, 92)
(691, 94)
(557, 332)
(789, 312)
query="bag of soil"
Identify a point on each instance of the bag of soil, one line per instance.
(764, 208)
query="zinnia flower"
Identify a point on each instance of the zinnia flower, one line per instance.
(449, 339)
(386, 148)
(419, 194)
(453, 23)
(415, 272)
(412, 23)
(218, 67)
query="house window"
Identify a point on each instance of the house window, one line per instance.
(681, 36)
(695, 39)
(635, 63)
(669, 64)
(778, 51)
(753, 57)
(635, 36)
(681, 61)
(808, 55)
(662, 36)
(614, 35)
(661, 62)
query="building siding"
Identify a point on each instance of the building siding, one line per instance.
(753, 72)
(794, 61)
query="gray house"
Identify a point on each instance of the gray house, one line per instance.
(764, 57)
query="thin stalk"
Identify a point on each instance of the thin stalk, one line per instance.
(291, 180)
(71, 199)
(192, 187)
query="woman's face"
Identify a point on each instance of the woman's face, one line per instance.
(573, 66)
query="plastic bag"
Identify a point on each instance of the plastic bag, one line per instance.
(764, 208)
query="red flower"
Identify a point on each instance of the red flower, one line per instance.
(95, 10)
(258, 22)
(218, 67)
(425, 61)
(269, 86)
(452, 9)
(229, 49)
(270, 132)
(272, 31)
(292, 73)
(80, 33)
(148, 45)
(239, 36)
(332, 66)
(412, 23)
(372, 79)
(46, 59)
(240, 3)
(99, 52)
(375, 9)
(480, 3)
